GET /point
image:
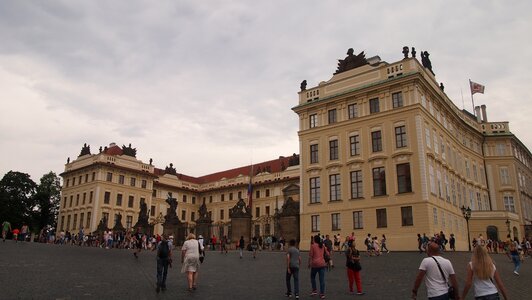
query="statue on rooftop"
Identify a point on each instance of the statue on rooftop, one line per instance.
(303, 85)
(85, 150)
(351, 61)
(425, 61)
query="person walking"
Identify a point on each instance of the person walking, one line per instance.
(514, 254)
(352, 263)
(437, 272)
(254, 246)
(24, 232)
(329, 245)
(383, 244)
(317, 265)
(137, 241)
(164, 259)
(190, 258)
(6, 227)
(452, 242)
(241, 245)
(223, 244)
(293, 262)
(482, 274)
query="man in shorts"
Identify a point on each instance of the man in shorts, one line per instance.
(6, 227)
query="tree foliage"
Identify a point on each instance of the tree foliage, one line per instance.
(23, 201)
(17, 201)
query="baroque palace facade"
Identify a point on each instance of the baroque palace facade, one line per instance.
(385, 151)
(112, 184)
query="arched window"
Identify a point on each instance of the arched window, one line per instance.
(492, 233)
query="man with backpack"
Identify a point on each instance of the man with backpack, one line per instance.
(164, 259)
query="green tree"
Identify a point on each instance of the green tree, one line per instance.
(17, 192)
(47, 201)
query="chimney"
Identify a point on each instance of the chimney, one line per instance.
(484, 115)
(477, 113)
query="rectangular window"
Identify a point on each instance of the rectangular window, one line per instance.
(373, 105)
(267, 193)
(74, 226)
(435, 215)
(239, 195)
(397, 99)
(129, 222)
(67, 182)
(65, 203)
(88, 220)
(183, 215)
(121, 179)
(379, 181)
(315, 223)
(87, 177)
(358, 221)
(90, 197)
(143, 183)
(332, 116)
(119, 199)
(222, 197)
(427, 137)
(335, 221)
(193, 216)
(130, 201)
(80, 179)
(62, 223)
(71, 199)
(109, 176)
(314, 153)
(382, 221)
(356, 184)
(93, 176)
(407, 218)
(257, 212)
(81, 219)
(257, 194)
(315, 190)
(84, 198)
(222, 216)
(354, 142)
(68, 223)
(154, 193)
(210, 199)
(193, 200)
(501, 149)
(230, 196)
(333, 150)
(400, 137)
(152, 210)
(376, 141)
(267, 210)
(77, 199)
(334, 187)
(133, 181)
(509, 204)
(404, 183)
(73, 181)
(313, 120)
(505, 176)
(352, 111)
(184, 198)
(107, 198)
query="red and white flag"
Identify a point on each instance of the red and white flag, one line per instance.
(476, 87)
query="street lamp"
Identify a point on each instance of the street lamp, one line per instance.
(466, 212)
(508, 226)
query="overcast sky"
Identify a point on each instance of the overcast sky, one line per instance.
(209, 85)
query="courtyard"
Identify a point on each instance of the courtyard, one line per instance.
(43, 271)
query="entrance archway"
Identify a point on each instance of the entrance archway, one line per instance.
(492, 233)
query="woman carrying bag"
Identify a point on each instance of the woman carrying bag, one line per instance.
(352, 263)
(482, 274)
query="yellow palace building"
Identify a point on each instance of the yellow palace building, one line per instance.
(383, 150)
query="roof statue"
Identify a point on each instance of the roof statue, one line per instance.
(129, 151)
(85, 150)
(406, 50)
(170, 170)
(414, 52)
(303, 85)
(425, 61)
(351, 61)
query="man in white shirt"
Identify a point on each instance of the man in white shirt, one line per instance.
(437, 287)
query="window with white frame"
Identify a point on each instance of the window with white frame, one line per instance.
(435, 215)
(427, 138)
(358, 221)
(356, 184)
(354, 142)
(505, 175)
(352, 111)
(313, 120)
(431, 179)
(334, 187)
(315, 223)
(509, 204)
(335, 221)
(314, 190)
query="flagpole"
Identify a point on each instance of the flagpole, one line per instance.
(472, 100)
(461, 93)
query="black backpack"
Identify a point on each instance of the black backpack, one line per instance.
(164, 250)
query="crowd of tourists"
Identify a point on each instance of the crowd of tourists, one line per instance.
(436, 271)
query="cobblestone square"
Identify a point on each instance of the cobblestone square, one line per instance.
(41, 271)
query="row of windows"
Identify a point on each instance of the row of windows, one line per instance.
(122, 180)
(75, 225)
(355, 145)
(353, 110)
(85, 198)
(404, 183)
(407, 219)
(120, 198)
(80, 179)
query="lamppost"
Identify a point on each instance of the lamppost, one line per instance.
(508, 226)
(467, 215)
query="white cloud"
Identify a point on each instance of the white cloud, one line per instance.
(210, 86)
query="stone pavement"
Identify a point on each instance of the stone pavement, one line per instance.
(40, 271)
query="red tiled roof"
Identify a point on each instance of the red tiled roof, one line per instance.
(271, 166)
(114, 150)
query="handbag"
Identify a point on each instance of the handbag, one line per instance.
(451, 288)
(326, 256)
